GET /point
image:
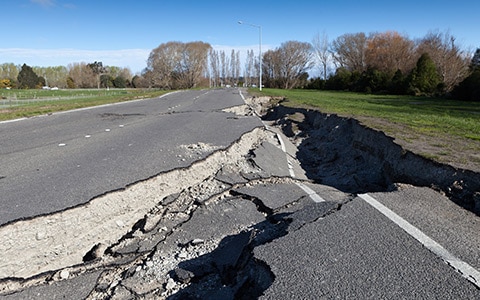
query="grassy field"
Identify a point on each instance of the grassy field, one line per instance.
(444, 130)
(26, 103)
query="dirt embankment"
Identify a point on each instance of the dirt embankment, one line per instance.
(343, 153)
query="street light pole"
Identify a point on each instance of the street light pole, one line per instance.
(259, 48)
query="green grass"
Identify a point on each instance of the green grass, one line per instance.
(26, 103)
(440, 129)
(421, 115)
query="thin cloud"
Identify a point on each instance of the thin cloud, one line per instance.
(134, 59)
(69, 6)
(44, 3)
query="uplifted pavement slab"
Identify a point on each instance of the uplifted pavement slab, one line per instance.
(76, 288)
(273, 196)
(271, 159)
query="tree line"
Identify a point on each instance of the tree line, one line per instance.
(388, 62)
(381, 62)
(75, 75)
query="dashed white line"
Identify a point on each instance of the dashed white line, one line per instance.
(467, 271)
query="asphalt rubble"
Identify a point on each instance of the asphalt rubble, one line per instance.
(200, 241)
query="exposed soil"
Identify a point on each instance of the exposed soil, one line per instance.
(344, 153)
(458, 152)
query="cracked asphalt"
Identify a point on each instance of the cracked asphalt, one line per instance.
(226, 211)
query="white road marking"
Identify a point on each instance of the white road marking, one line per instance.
(311, 193)
(467, 271)
(11, 121)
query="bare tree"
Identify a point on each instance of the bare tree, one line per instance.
(82, 75)
(249, 68)
(54, 76)
(286, 66)
(114, 72)
(297, 60)
(224, 67)
(389, 52)
(190, 69)
(235, 66)
(452, 63)
(320, 48)
(161, 64)
(348, 51)
(271, 68)
(238, 67)
(178, 65)
(9, 71)
(214, 68)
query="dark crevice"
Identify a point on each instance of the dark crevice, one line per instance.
(116, 116)
(230, 271)
(342, 153)
(261, 207)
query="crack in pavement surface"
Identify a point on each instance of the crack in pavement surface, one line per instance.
(63, 238)
(150, 230)
(198, 232)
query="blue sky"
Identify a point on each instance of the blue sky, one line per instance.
(122, 33)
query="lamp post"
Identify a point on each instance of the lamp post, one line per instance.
(259, 48)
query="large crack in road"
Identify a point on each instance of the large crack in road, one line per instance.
(343, 153)
(192, 232)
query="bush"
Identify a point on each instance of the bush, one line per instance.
(469, 88)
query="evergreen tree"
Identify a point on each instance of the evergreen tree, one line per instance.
(475, 64)
(106, 81)
(398, 85)
(27, 79)
(469, 88)
(70, 83)
(120, 82)
(424, 78)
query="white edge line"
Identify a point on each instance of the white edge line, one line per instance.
(311, 193)
(467, 271)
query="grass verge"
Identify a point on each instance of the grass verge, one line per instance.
(444, 130)
(16, 104)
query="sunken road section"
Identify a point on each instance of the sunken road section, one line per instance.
(342, 153)
(158, 237)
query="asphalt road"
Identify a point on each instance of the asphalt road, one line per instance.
(262, 231)
(54, 162)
